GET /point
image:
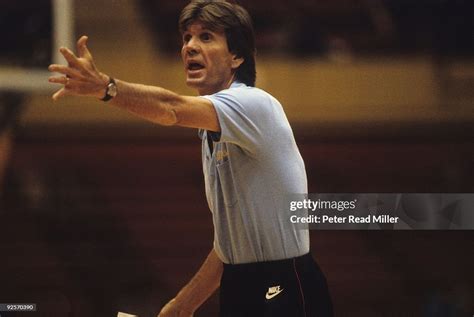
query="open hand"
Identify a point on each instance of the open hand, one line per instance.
(81, 76)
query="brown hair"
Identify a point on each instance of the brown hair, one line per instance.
(237, 25)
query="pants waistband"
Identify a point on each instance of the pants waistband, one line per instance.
(305, 258)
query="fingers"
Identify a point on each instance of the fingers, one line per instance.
(59, 80)
(64, 80)
(60, 93)
(68, 71)
(68, 89)
(69, 56)
(80, 76)
(82, 49)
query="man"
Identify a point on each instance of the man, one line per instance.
(250, 161)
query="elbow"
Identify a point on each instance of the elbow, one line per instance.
(170, 118)
(173, 115)
(171, 112)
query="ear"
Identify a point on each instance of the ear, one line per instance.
(236, 61)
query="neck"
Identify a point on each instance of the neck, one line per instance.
(225, 85)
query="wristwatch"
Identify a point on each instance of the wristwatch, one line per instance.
(111, 90)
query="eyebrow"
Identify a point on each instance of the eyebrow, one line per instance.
(202, 30)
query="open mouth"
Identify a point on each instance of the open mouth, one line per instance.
(195, 66)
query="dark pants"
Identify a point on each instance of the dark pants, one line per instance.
(293, 287)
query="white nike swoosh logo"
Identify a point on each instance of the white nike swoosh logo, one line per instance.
(270, 296)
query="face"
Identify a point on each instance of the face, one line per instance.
(209, 65)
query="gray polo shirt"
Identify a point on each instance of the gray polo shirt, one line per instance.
(254, 166)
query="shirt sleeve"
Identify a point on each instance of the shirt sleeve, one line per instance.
(243, 118)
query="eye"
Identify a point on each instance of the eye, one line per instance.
(186, 38)
(206, 36)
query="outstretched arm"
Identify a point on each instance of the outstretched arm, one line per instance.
(81, 77)
(197, 291)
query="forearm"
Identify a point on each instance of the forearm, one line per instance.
(82, 78)
(152, 103)
(202, 285)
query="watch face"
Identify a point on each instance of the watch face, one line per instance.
(112, 90)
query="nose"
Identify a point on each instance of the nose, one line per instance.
(192, 47)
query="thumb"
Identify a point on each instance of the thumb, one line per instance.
(82, 49)
(60, 93)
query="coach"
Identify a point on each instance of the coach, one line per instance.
(260, 260)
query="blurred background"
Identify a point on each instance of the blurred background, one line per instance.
(101, 211)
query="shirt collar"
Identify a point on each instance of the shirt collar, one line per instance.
(236, 83)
